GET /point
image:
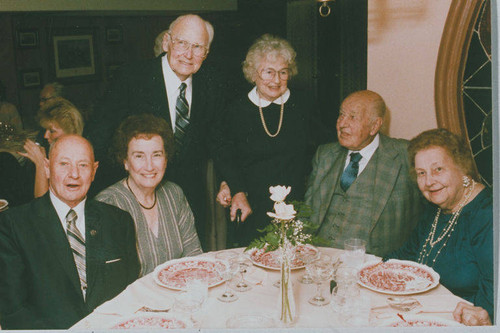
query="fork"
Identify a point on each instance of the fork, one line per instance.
(147, 309)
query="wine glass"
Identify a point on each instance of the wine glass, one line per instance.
(227, 271)
(306, 258)
(320, 270)
(244, 265)
(195, 294)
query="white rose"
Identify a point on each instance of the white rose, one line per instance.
(282, 211)
(279, 193)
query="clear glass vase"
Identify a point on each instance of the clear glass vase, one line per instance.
(286, 297)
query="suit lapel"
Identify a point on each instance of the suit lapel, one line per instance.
(334, 165)
(92, 236)
(387, 172)
(50, 228)
(158, 92)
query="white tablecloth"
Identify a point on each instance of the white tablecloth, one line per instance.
(262, 299)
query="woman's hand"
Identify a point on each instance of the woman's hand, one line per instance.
(224, 195)
(34, 152)
(471, 315)
(37, 155)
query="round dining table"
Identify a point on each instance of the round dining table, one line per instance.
(262, 303)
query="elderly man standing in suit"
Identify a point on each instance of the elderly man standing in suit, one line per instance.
(176, 88)
(360, 187)
(62, 255)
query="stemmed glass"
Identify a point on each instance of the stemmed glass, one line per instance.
(320, 270)
(353, 309)
(243, 264)
(307, 258)
(194, 296)
(227, 271)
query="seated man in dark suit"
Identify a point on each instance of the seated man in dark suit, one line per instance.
(360, 186)
(62, 255)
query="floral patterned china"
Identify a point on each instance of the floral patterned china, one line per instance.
(175, 273)
(270, 260)
(397, 277)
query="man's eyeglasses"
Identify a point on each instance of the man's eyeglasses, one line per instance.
(181, 45)
(269, 74)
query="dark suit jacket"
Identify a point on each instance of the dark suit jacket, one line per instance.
(39, 284)
(140, 88)
(396, 198)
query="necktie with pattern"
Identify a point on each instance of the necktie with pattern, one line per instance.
(351, 172)
(181, 115)
(77, 245)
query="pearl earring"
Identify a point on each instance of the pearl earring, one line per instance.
(465, 181)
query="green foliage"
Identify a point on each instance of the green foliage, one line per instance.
(299, 230)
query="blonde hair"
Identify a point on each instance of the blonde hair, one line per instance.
(158, 48)
(64, 114)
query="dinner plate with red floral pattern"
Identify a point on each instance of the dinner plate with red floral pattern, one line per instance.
(270, 260)
(405, 320)
(174, 273)
(153, 321)
(397, 277)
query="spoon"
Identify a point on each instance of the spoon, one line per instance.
(403, 304)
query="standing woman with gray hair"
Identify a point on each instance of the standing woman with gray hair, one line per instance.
(266, 135)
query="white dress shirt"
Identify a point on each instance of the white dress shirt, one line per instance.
(254, 97)
(62, 210)
(172, 84)
(366, 154)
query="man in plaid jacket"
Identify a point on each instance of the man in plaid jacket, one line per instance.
(360, 186)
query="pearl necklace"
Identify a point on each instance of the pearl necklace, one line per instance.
(137, 199)
(423, 257)
(264, 121)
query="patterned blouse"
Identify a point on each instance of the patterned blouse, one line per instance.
(176, 232)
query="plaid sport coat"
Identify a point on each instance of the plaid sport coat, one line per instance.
(395, 201)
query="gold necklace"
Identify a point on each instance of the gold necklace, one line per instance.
(423, 257)
(137, 199)
(264, 121)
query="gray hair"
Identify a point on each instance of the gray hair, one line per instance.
(268, 47)
(208, 26)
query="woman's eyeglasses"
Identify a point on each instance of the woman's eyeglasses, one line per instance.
(269, 74)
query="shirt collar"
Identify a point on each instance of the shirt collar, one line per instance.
(172, 81)
(62, 209)
(369, 150)
(254, 98)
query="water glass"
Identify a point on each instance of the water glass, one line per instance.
(227, 272)
(354, 255)
(320, 271)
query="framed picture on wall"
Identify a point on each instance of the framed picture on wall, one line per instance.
(30, 78)
(74, 55)
(27, 38)
(114, 34)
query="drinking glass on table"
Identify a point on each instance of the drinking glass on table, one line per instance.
(195, 294)
(320, 270)
(354, 255)
(307, 258)
(347, 302)
(244, 264)
(227, 272)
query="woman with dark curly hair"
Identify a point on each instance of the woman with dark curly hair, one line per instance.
(163, 220)
(455, 232)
